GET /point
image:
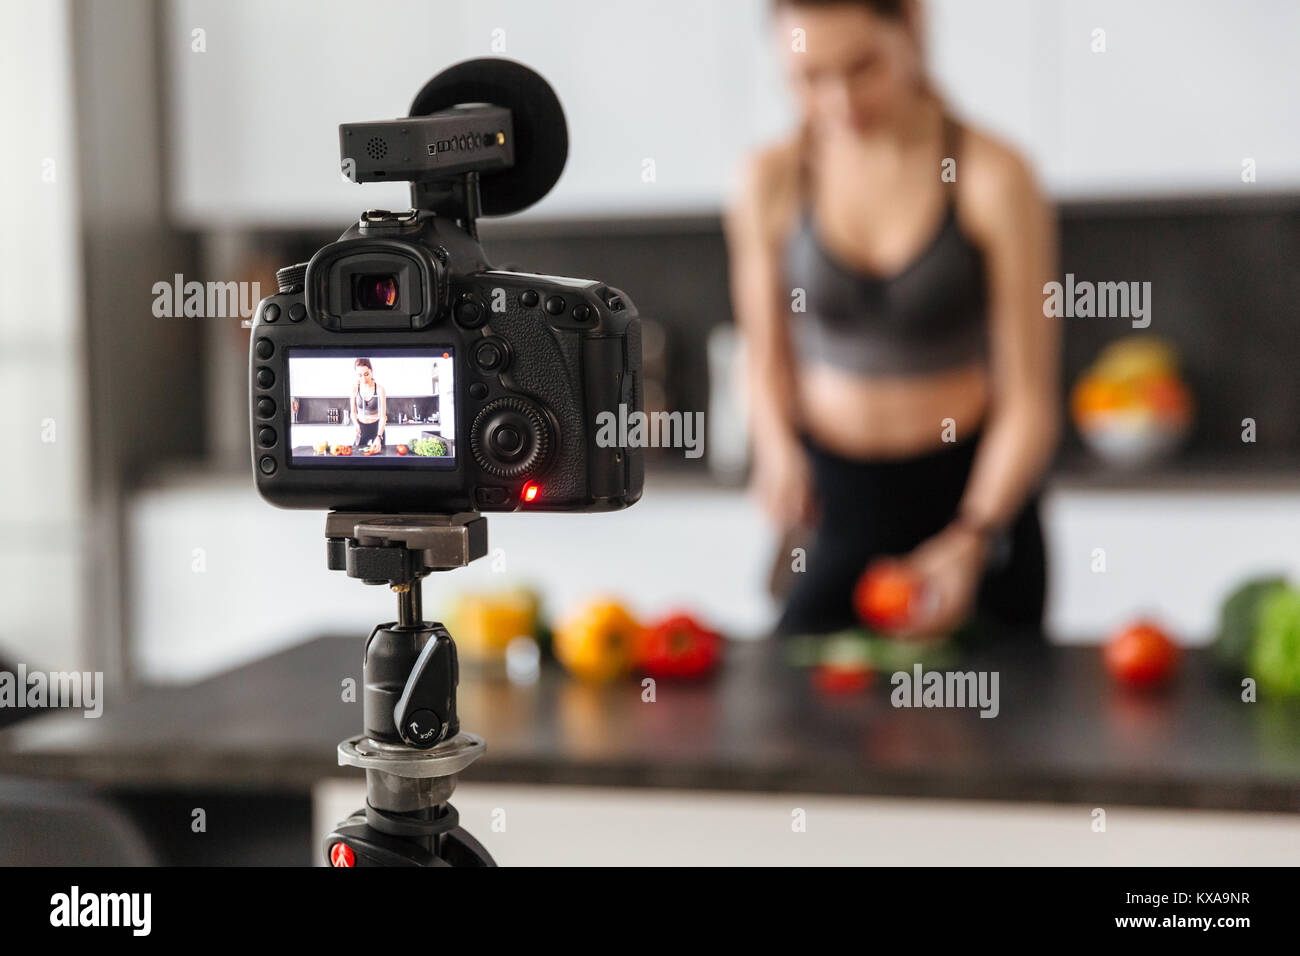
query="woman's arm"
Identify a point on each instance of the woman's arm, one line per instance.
(1004, 212)
(754, 224)
(1016, 227)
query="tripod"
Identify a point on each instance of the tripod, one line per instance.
(412, 747)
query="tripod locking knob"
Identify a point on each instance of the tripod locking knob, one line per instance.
(425, 714)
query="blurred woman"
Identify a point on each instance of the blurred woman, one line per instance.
(887, 266)
(369, 405)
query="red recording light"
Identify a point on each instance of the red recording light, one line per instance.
(531, 491)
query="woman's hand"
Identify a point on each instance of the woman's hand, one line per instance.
(949, 567)
(782, 480)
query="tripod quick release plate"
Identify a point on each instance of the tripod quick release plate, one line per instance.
(399, 549)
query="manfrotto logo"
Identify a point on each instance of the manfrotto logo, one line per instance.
(656, 430)
(946, 689)
(1083, 299)
(39, 689)
(205, 300)
(74, 908)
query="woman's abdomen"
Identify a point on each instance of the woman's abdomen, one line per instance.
(891, 416)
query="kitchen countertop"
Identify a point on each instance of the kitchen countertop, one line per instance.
(1064, 733)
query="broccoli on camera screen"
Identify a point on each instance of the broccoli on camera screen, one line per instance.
(393, 406)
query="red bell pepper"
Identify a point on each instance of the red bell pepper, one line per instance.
(677, 646)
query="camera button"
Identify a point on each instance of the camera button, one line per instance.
(530, 299)
(266, 465)
(271, 312)
(265, 408)
(265, 378)
(555, 305)
(265, 348)
(266, 437)
(469, 313)
(581, 312)
(297, 312)
(478, 390)
(507, 441)
(491, 496)
(489, 356)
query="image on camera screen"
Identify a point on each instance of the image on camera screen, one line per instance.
(391, 407)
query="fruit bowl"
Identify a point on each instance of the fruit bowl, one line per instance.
(1132, 438)
(1131, 406)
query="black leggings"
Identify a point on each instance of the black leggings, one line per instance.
(869, 509)
(369, 431)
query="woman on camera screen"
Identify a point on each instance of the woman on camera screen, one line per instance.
(887, 269)
(369, 406)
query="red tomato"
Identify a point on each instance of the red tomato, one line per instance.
(677, 646)
(886, 595)
(833, 679)
(401, 449)
(1141, 655)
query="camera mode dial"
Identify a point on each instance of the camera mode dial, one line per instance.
(510, 438)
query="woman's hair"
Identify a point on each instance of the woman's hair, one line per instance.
(360, 362)
(890, 9)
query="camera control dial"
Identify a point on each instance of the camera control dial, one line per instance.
(510, 438)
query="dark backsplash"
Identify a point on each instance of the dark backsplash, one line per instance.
(1225, 292)
(315, 410)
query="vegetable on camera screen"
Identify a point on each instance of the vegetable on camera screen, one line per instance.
(384, 406)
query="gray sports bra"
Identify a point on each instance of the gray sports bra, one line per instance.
(931, 315)
(368, 405)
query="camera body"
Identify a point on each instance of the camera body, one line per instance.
(533, 361)
(399, 372)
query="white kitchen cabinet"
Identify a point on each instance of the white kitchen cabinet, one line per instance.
(1168, 553)
(254, 119)
(1184, 92)
(608, 826)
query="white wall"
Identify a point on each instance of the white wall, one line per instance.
(1185, 90)
(42, 480)
(335, 377)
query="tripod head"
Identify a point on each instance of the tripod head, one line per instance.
(411, 666)
(412, 747)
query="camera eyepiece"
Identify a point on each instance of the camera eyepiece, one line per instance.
(376, 292)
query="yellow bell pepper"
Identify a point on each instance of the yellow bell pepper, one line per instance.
(483, 624)
(596, 641)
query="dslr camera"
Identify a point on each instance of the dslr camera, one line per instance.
(398, 371)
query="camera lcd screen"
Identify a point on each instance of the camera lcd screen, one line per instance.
(372, 408)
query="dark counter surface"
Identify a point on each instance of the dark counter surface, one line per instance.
(1064, 733)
